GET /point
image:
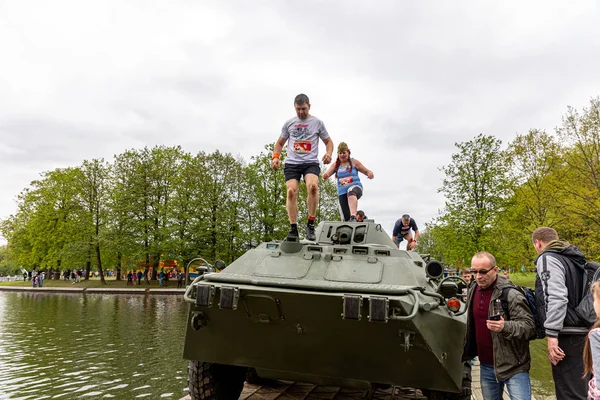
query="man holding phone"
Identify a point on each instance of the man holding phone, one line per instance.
(500, 342)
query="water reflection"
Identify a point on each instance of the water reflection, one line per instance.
(541, 371)
(72, 346)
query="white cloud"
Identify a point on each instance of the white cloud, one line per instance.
(399, 82)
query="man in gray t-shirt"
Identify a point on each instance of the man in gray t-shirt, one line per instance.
(302, 134)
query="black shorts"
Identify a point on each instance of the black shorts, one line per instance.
(355, 190)
(345, 208)
(296, 171)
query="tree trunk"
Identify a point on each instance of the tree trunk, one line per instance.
(155, 266)
(119, 265)
(147, 268)
(88, 264)
(99, 259)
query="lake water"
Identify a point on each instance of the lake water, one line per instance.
(76, 346)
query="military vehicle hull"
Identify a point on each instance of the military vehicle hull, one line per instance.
(281, 331)
(330, 315)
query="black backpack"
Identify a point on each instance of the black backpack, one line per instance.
(585, 308)
(529, 294)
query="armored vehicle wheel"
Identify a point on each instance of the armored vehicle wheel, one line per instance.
(215, 381)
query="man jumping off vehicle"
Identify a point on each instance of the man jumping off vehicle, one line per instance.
(302, 134)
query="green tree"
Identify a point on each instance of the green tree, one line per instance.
(93, 197)
(218, 203)
(535, 169)
(476, 188)
(186, 206)
(8, 267)
(580, 133)
(264, 215)
(536, 162)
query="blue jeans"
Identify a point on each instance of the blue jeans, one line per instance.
(519, 385)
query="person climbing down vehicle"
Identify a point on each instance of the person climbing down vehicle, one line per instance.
(302, 134)
(350, 189)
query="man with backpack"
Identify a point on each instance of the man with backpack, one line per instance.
(499, 336)
(559, 289)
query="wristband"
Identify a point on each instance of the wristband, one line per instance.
(275, 155)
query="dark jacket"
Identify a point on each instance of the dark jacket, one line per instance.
(511, 346)
(559, 286)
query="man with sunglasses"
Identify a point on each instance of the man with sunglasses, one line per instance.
(558, 290)
(500, 342)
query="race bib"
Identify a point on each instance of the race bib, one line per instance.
(346, 181)
(302, 146)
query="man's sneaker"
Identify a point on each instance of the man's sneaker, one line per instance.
(292, 236)
(352, 219)
(310, 232)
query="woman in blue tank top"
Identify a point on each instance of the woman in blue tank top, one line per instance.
(350, 189)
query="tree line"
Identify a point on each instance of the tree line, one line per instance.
(496, 196)
(164, 203)
(148, 205)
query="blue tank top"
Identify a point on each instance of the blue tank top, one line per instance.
(346, 179)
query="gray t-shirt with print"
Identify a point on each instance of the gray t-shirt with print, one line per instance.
(303, 139)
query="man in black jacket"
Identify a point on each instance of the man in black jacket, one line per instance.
(502, 343)
(558, 290)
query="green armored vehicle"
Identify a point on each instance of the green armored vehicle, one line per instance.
(348, 310)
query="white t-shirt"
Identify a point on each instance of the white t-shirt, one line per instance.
(303, 139)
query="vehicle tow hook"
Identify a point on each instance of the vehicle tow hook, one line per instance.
(408, 339)
(198, 321)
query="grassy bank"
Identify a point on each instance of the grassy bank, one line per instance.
(92, 283)
(527, 279)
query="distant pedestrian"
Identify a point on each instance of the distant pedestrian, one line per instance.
(161, 277)
(140, 275)
(179, 280)
(129, 278)
(40, 279)
(467, 275)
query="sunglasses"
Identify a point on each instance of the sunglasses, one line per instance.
(481, 271)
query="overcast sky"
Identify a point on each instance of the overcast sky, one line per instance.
(400, 82)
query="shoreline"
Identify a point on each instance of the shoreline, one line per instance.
(144, 291)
